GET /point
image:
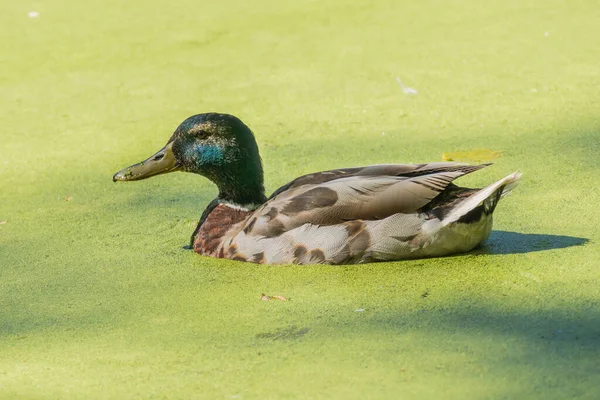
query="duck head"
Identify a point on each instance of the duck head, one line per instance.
(218, 146)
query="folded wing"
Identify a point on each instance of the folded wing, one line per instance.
(369, 193)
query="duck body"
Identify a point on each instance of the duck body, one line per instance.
(345, 216)
(358, 216)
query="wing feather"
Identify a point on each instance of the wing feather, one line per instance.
(369, 193)
(406, 170)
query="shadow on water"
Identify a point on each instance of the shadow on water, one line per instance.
(502, 242)
(552, 347)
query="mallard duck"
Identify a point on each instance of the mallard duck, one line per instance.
(342, 216)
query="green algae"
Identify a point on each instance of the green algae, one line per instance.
(99, 299)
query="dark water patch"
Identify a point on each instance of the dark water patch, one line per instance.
(289, 333)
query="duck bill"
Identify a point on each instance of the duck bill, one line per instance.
(160, 163)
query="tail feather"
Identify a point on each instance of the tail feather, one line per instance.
(511, 185)
(488, 196)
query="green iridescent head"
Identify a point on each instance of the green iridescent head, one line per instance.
(218, 146)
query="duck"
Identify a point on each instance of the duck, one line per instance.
(384, 212)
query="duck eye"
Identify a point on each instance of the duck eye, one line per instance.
(201, 134)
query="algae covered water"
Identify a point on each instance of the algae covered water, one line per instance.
(100, 300)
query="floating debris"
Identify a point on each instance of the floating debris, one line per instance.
(476, 155)
(264, 297)
(406, 89)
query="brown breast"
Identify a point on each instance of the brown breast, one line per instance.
(218, 222)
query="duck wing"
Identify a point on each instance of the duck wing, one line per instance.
(339, 196)
(399, 170)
